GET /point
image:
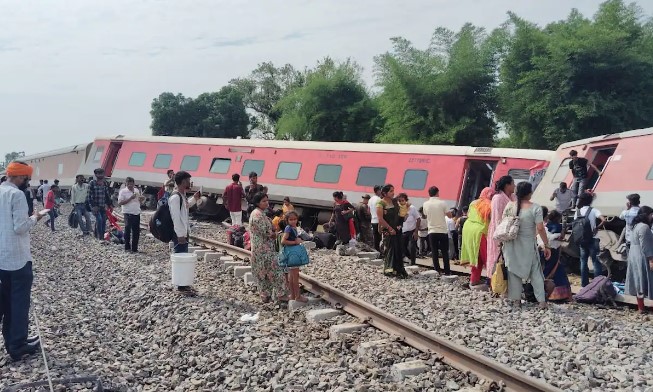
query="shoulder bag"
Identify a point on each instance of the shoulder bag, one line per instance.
(507, 229)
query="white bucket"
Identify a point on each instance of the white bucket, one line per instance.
(183, 268)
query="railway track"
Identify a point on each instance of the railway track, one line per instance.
(502, 377)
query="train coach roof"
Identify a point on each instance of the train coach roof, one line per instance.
(59, 151)
(346, 146)
(622, 135)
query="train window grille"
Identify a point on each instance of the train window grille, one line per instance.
(220, 165)
(190, 163)
(370, 176)
(519, 175)
(162, 161)
(137, 159)
(288, 170)
(98, 154)
(415, 179)
(253, 165)
(329, 174)
(562, 172)
(650, 174)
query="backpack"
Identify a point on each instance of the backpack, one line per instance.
(73, 219)
(599, 291)
(161, 225)
(581, 229)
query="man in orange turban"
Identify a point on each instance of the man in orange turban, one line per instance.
(16, 262)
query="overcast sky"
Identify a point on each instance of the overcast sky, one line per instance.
(74, 69)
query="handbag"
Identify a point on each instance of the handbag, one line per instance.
(499, 278)
(508, 229)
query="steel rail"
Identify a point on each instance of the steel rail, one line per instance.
(457, 356)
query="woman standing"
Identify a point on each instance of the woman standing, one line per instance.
(343, 212)
(504, 194)
(474, 248)
(387, 209)
(269, 276)
(521, 254)
(639, 277)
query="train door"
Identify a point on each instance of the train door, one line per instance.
(478, 175)
(600, 157)
(111, 157)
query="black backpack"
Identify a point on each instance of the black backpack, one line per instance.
(161, 225)
(581, 229)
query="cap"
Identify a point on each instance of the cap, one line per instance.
(366, 197)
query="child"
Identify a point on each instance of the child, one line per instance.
(423, 233)
(51, 204)
(293, 255)
(278, 215)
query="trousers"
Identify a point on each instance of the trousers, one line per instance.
(440, 242)
(236, 218)
(410, 245)
(132, 231)
(377, 237)
(15, 293)
(85, 225)
(516, 285)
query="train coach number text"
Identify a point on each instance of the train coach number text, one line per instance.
(419, 160)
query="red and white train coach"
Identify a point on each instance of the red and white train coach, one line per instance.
(309, 172)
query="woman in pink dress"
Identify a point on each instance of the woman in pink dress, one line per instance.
(505, 193)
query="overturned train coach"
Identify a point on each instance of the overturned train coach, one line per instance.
(309, 172)
(626, 163)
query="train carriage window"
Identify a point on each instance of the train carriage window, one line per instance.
(162, 161)
(190, 163)
(562, 172)
(98, 154)
(414, 179)
(650, 174)
(220, 165)
(137, 159)
(60, 169)
(370, 176)
(253, 165)
(519, 175)
(288, 170)
(328, 173)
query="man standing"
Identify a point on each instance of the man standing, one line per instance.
(436, 210)
(99, 199)
(375, 219)
(130, 199)
(409, 229)
(179, 206)
(16, 262)
(563, 197)
(364, 216)
(78, 197)
(43, 191)
(169, 184)
(232, 200)
(590, 248)
(578, 167)
(250, 190)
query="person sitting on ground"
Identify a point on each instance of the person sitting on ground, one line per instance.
(294, 255)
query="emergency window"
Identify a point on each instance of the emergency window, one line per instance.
(562, 173)
(370, 176)
(288, 170)
(190, 163)
(253, 165)
(137, 159)
(650, 174)
(414, 179)
(162, 161)
(98, 154)
(328, 173)
(220, 165)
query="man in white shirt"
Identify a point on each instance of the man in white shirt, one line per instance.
(43, 190)
(436, 210)
(591, 249)
(631, 211)
(130, 199)
(78, 196)
(375, 219)
(563, 197)
(409, 228)
(179, 207)
(16, 273)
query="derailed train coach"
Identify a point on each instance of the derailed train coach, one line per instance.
(626, 163)
(309, 172)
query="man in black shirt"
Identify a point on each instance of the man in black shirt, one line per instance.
(578, 167)
(250, 190)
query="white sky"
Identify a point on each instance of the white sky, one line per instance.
(74, 69)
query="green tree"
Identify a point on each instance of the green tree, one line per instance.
(445, 94)
(219, 114)
(10, 157)
(577, 78)
(263, 89)
(333, 105)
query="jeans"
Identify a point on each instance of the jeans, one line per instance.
(179, 248)
(15, 292)
(80, 209)
(236, 218)
(454, 238)
(440, 242)
(578, 187)
(377, 237)
(132, 231)
(592, 250)
(410, 245)
(100, 223)
(52, 214)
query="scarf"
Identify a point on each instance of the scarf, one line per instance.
(483, 204)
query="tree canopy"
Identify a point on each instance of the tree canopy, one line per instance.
(10, 157)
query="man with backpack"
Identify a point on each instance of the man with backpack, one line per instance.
(583, 232)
